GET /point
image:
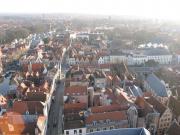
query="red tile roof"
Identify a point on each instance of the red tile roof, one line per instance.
(78, 90)
(108, 108)
(31, 106)
(158, 106)
(74, 107)
(114, 116)
(36, 67)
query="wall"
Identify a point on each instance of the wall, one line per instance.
(75, 131)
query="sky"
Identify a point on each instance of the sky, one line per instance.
(162, 9)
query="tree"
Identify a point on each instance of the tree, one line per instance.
(151, 63)
(46, 40)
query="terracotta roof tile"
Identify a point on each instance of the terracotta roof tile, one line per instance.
(108, 108)
(114, 116)
(78, 90)
(74, 107)
(31, 106)
(158, 106)
(174, 105)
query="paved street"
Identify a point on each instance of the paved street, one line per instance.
(56, 110)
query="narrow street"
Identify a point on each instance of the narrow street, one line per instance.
(55, 116)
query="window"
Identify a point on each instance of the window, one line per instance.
(108, 120)
(98, 129)
(104, 128)
(94, 123)
(111, 128)
(91, 130)
(80, 131)
(75, 131)
(67, 132)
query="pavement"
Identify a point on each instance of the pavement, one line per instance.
(55, 119)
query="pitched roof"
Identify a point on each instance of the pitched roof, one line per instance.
(174, 105)
(32, 107)
(158, 106)
(75, 107)
(143, 106)
(35, 67)
(73, 124)
(20, 124)
(156, 85)
(36, 96)
(136, 91)
(108, 108)
(114, 116)
(82, 90)
(174, 129)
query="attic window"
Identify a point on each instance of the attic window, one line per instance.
(27, 112)
(108, 120)
(94, 123)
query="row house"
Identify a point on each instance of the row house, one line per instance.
(73, 121)
(165, 117)
(75, 94)
(99, 79)
(82, 60)
(106, 121)
(22, 117)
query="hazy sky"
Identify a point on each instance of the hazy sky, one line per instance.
(146, 8)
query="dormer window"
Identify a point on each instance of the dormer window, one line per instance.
(107, 121)
(94, 123)
(27, 112)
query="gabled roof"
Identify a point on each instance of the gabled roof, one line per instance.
(21, 124)
(158, 106)
(80, 90)
(36, 96)
(136, 91)
(114, 116)
(75, 107)
(144, 106)
(174, 105)
(156, 85)
(108, 108)
(32, 107)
